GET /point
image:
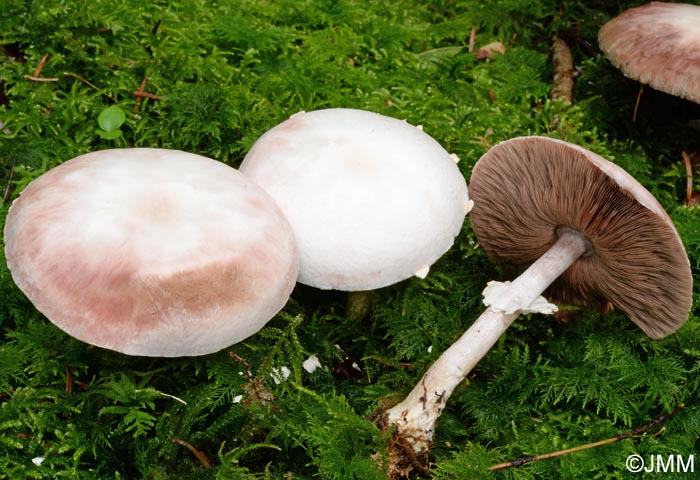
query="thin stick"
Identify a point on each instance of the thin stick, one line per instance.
(69, 381)
(197, 453)
(40, 79)
(689, 178)
(636, 104)
(472, 40)
(167, 395)
(91, 85)
(632, 433)
(37, 72)
(29, 437)
(173, 397)
(386, 363)
(6, 195)
(152, 96)
(563, 83)
(256, 386)
(141, 94)
(78, 77)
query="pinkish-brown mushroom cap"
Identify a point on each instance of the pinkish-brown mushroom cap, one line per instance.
(151, 252)
(657, 44)
(528, 188)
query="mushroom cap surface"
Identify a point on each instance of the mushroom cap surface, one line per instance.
(657, 44)
(372, 200)
(527, 188)
(151, 252)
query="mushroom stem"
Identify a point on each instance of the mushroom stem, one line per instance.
(416, 416)
(359, 304)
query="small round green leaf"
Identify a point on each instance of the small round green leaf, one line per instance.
(114, 134)
(111, 118)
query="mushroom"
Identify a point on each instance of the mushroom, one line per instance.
(657, 44)
(578, 223)
(372, 199)
(151, 252)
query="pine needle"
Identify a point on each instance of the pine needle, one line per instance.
(631, 434)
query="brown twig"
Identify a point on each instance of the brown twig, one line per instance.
(386, 363)
(6, 195)
(632, 433)
(689, 178)
(152, 96)
(239, 359)
(26, 436)
(636, 103)
(197, 453)
(563, 83)
(69, 381)
(86, 82)
(472, 40)
(37, 72)
(141, 94)
(40, 79)
(255, 386)
(91, 85)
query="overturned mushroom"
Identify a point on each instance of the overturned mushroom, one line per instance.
(657, 44)
(577, 222)
(372, 200)
(151, 252)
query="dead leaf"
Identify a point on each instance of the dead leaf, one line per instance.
(487, 51)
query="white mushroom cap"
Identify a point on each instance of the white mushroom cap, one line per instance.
(151, 252)
(372, 200)
(657, 44)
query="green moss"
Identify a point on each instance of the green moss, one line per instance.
(222, 73)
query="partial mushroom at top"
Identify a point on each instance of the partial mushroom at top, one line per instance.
(582, 229)
(372, 199)
(151, 252)
(657, 44)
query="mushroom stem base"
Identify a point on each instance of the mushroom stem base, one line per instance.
(416, 416)
(359, 304)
